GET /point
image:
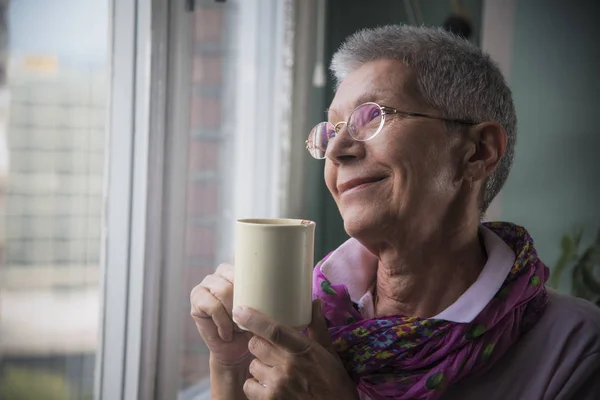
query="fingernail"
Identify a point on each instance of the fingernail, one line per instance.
(239, 311)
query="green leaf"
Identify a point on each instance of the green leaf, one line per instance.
(597, 241)
(580, 288)
(568, 247)
(577, 235)
(577, 283)
(587, 263)
(583, 265)
(589, 280)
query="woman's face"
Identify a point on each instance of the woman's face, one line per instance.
(406, 177)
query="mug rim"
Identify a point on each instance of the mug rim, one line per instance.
(271, 222)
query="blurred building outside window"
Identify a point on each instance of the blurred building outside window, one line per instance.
(53, 109)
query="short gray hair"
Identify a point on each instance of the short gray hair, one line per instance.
(453, 76)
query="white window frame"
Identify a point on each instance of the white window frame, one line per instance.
(127, 270)
(145, 185)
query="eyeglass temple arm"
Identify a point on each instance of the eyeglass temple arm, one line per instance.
(389, 110)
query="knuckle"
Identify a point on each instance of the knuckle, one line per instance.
(253, 366)
(254, 344)
(206, 307)
(223, 267)
(247, 387)
(194, 292)
(206, 282)
(214, 308)
(274, 333)
(222, 290)
(281, 379)
(199, 299)
(226, 271)
(287, 370)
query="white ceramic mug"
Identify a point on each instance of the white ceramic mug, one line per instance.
(273, 268)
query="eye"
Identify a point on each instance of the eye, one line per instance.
(331, 134)
(376, 112)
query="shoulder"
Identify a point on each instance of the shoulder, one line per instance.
(573, 309)
(572, 327)
(568, 317)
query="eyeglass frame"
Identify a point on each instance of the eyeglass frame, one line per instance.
(385, 110)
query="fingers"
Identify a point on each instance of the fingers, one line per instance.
(208, 330)
(317, 330)
(254, 390)
(291, 340)
(206, 305)
(213, 299)
(260, 371)
(265, 351)
(220, 288)
(226, 271)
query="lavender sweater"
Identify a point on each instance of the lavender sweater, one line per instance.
(558, 359)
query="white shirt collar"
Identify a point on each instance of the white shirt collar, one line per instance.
(353, 265)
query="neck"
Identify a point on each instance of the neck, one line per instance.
(425, 274)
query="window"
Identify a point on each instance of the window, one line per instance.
(124, 163)
(239, 62)
(53, 106)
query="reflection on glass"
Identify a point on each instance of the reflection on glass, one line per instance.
(211, 35)
(53, 105)
(240, 84)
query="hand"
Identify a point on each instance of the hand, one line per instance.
(290, 365)
(212, 301)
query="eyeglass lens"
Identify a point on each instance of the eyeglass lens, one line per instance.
(363, 124)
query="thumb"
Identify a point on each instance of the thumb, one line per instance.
(317, 330)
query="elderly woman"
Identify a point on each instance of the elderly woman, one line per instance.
(424, 301)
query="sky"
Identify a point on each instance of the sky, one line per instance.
(68, 29)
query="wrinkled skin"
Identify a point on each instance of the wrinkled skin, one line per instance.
(292, 366)
(212, 301)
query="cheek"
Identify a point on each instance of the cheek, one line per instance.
(421, 168)
(442, 170)
(330, 174)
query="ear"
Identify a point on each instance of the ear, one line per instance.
(487, 147)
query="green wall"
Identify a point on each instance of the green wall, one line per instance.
(344, 17)
(555, 181)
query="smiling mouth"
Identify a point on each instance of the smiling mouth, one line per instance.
(357, 184)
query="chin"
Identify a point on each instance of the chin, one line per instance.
(361, 224)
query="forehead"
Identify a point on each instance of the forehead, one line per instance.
(383, 81)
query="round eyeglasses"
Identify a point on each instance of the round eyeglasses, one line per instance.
(364, 123)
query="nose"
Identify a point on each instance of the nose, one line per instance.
(343, 147)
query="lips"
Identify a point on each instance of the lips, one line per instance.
(353, 183)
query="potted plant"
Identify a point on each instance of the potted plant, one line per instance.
(584, 265)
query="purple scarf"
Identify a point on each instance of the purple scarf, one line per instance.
(399, 357)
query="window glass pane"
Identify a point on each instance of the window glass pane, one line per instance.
(209, 137)
(53, 106)
(240, 80)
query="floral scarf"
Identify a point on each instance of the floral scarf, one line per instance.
(400, 357)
